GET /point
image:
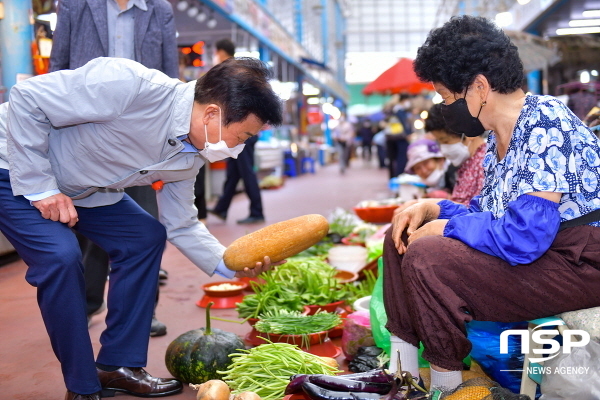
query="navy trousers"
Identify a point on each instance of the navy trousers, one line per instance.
(134, 241)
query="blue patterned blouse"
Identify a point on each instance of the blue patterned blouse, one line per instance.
(550, 151)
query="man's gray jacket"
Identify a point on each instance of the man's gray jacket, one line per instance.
(111, 124)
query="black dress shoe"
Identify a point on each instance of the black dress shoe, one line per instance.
(251, 220)
(163, 275)
(220, 215)
(136, 382)
(74, 396)
(157, 328)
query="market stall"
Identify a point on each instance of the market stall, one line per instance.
(310, 329)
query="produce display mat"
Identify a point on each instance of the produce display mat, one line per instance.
(325, 349)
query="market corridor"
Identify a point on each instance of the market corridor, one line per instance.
(29, 369)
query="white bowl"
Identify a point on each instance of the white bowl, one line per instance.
(362, 304)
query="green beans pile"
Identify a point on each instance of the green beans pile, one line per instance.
(266, 369)
(284, 322)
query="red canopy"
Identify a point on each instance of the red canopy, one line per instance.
(400, 78)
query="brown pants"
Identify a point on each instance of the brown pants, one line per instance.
(439, 284)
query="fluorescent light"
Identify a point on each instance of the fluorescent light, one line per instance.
(522, 2)
(51, 18)
(504, 19)
(182, 5)
(578, 31)
(192, 12)
(591, 13)
(584, 77)
(584, 22)
(437, 99)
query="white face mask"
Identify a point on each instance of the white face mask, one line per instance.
(434, 178)
(219, 151)
(456, 153)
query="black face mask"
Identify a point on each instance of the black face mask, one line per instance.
(459, 119)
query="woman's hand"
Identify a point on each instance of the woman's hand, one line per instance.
(258, 269)
(410, 220)
(58, 207)
(433, 228)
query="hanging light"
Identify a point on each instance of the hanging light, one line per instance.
(212, 22)
(192, 12)
(182, 5)
(201, 17)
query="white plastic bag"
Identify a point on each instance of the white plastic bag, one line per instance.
(573, 376)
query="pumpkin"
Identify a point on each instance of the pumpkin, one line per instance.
(470, 393)
(278, 241)
(197, 355)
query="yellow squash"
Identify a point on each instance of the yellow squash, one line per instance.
(278, 241)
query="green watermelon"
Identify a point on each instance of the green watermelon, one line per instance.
(197, 355)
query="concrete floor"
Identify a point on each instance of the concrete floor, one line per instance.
(28, 367)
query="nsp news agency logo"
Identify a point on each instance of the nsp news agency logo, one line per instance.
(547, 347)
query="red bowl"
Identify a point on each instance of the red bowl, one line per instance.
(331, 307)
(249, 281)
(208, 289)
(376, 215)
(220, 302)
(346, 276)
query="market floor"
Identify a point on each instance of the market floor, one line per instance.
(29, 369)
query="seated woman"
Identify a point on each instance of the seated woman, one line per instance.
(464, 153)
(529, 245)
(427, 162)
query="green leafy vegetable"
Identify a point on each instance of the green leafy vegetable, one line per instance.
(284, 322)
(266, 369)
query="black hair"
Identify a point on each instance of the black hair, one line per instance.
(435, 121)
(226, 45)
(465, 47)
(240, 86)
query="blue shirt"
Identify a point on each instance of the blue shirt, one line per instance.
(121, 28)
(551, 150)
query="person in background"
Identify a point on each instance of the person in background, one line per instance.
(527, 246)
(224, 49)
(343, 135)
(241, 167)
(425, 159)
(581, 101)
(379, 141)
(464, 153)
(365, 134)
(140, 30)
(60, 170)
(397, 136)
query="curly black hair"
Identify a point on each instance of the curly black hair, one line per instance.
(241, 87)
(435, 121)
(465, 47)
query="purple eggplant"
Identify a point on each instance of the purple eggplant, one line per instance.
(315, 392)
(343, 384)
(295, 384)
(375, 375)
